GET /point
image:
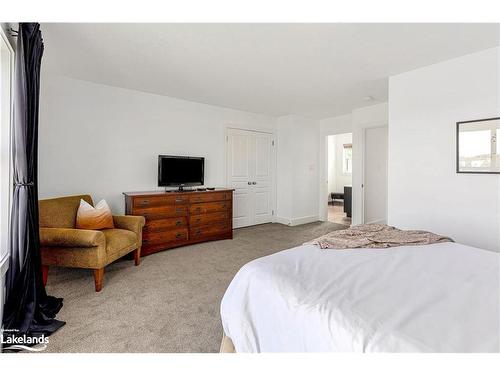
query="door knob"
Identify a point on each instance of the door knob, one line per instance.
(254, 183)
(249, 183)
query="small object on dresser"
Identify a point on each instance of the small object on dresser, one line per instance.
(210, 188)
(201, 189)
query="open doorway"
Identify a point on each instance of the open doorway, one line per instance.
(339, 169)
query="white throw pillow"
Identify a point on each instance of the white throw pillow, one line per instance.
(98, 217)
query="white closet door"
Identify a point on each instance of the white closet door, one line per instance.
(249, 172)
(262, 180)
(239, 151)
(375, 175)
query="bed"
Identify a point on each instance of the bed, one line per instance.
(442, 297)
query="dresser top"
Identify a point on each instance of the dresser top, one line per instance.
(172, 192)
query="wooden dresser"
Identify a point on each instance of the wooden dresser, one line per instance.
(181, 217)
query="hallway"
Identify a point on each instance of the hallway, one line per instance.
(336, 213)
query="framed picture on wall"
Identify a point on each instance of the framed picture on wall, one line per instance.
(478, 146)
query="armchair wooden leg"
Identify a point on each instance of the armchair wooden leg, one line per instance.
(98, 279)
(45, 274)
(137, 256)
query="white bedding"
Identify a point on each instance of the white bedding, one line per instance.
(434, 298)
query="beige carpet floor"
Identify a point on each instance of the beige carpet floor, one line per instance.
(170, 303)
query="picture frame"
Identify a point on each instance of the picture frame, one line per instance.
(478, 146)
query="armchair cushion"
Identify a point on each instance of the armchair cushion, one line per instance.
(129, 222)
(68, 237)
(119, 242)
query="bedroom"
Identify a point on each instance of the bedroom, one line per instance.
(180, 178)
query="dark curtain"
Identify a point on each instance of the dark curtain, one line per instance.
(28, 309)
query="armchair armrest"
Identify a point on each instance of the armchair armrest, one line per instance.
(68, 237)
(129, 222)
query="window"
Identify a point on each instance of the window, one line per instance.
(478, 146)
(6, 67)
(347, 159)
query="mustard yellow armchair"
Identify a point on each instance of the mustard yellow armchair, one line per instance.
(61, 244)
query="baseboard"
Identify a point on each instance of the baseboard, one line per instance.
(379, 221)
(304, 220)
(297, 221)
(282, 220)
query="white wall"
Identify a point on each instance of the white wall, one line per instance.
(297, 197)
(425, 192)
(332, 164)
(337, 179)
(355, 122)
(336, 125)
(284, 173)
(105, 140)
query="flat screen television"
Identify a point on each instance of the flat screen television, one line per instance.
(180, 171)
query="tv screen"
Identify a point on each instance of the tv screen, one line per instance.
(180, 171)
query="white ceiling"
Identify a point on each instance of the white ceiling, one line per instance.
(317, 70)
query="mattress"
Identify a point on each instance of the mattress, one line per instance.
(442, 297)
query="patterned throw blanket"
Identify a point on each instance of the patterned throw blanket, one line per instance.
(375, 236)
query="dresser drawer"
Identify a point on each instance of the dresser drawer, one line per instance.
(146, 202)
(153, 238)
(157, 213)
(176, 219)
(162, 224)
(210, 197)
(197, 220)
(209, 207)
(209, 230)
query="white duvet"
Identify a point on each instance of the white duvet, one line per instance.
(435, 298)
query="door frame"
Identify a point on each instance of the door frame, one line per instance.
(274, 160)
(363, 169)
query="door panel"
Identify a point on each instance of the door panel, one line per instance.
(238, 175)
(263, 178)
(263, 211)
(240, 148)
(263, 155)
(249, 172)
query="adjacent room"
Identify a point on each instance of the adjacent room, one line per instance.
(250, 187)
(340, 178)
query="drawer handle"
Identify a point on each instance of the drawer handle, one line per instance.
(144, 203)
(179, 200)
(178, 222)
(198, 232)
(178, 235)
(198, 220)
